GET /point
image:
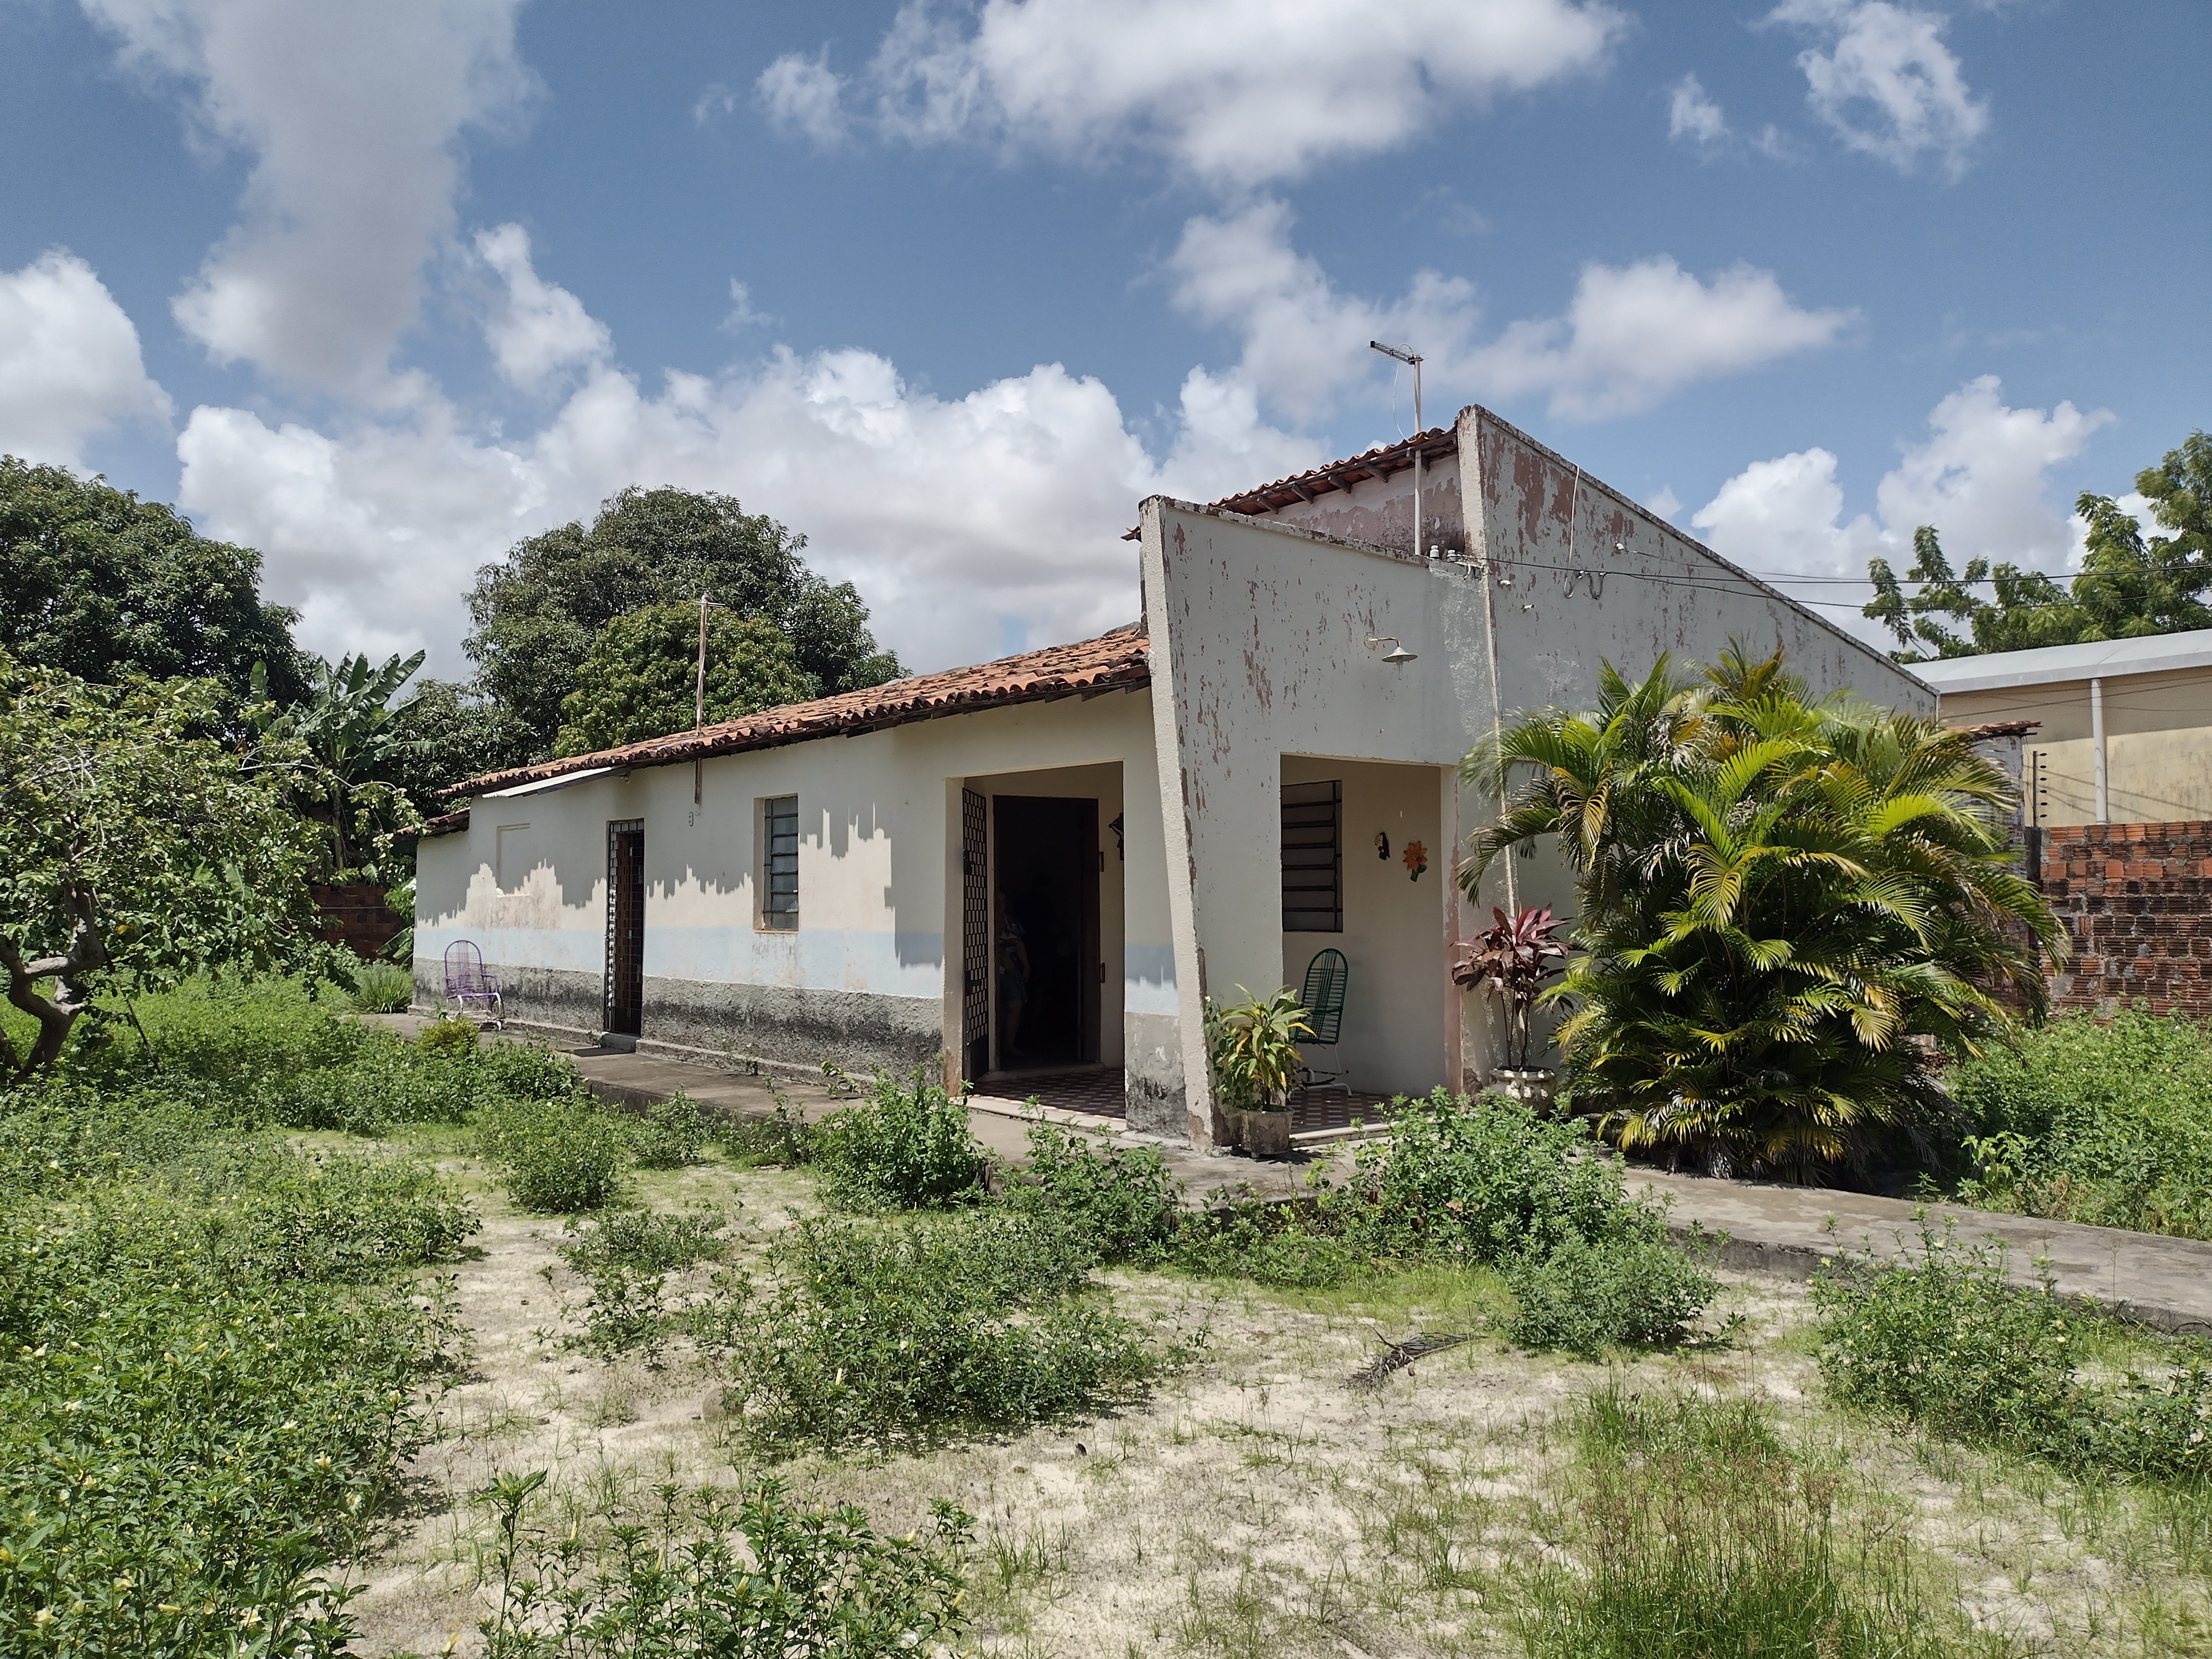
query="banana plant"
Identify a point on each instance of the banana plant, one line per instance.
(338, 741)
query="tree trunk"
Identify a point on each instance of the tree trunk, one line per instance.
(57, 1013)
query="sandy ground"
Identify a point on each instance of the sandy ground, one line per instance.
(1256, 1503)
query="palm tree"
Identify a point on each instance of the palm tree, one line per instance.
(1789, 909)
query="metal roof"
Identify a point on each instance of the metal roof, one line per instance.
(2050, 665)
(1115, 660)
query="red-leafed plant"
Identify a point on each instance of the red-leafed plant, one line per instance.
(1515, 959)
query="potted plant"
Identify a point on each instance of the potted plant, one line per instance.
(1514, 958)
(1255, 1060)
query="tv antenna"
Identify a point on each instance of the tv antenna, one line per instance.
(1411, 358)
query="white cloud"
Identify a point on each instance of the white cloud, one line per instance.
(1694, 115)
(1304, 343)
(70, 365)
(1979, 478)
(803, 95)
(1666, 503)
(1634, 334)
(536, 328)
(716, 101)
(1236, 92)
(1886, 85)
(961, 519)
(353, 114)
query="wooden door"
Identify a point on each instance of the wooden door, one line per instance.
(625, 981)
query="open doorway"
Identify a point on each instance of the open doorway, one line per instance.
(625, 978)
(1044, 927)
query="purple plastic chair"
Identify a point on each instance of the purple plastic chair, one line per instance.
(467, 984)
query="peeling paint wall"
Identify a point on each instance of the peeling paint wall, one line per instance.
(1260, 648)
(1380, 511)
(878, 886)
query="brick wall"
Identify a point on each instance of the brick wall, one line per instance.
(2137, 899)
(355, 915)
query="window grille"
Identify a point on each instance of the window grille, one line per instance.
(1313, 858)
(780, 866)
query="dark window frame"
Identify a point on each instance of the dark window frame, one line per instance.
(779, 866)
(1313, 857)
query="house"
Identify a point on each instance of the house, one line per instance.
(1050, 861)
(2123, 728)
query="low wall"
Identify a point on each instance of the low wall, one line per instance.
(2136, 901)
(355, 915)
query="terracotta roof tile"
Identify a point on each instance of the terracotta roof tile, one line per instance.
(1376, 463)
(445, 824)
(1111, 660)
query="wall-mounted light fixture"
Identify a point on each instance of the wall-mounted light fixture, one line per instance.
(1397, 656)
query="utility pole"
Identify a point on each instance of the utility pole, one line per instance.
(1411, 358)
(699, 707)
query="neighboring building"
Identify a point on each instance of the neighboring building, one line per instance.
(1263, 766)
(2124, 727)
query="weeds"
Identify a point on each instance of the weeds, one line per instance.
(382, 987)
(1586, 1296)
(901, 1146)
(672, 1135)
(558, 1156)
(1122, 1200)
(1941, 1339)
(762, 1576)
(784, 1138)
(628, 1257)
(1703, 1534)
(883, 1335)
(2098, 1120)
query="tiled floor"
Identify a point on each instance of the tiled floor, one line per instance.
(1336, 1108)
(1096, 1089)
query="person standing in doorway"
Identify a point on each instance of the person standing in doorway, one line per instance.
(1013, 981)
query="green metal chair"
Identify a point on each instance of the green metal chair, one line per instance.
(1327, 978)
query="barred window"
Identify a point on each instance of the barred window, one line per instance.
(780, 863)
(1313, 858)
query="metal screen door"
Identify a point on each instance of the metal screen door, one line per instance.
(625, 982)
(975, 936)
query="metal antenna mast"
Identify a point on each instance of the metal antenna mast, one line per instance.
(1411, 358)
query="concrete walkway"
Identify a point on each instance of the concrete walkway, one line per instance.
(1784, 1231)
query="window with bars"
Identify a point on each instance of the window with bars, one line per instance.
(780, 863)
(1313, 858)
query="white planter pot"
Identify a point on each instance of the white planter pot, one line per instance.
(1532, 1088)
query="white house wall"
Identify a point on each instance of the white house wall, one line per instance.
(1259, 639)
(863, 979)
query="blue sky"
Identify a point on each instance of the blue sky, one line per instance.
(948, 288)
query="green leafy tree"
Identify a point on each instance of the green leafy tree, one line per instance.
(1786, 910)
(100, 584)
(2129, 585)
(336, 747)
(133, 846)
(537, 611)
(446, 733)
(640, 678)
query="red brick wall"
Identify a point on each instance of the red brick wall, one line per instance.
(2137, 899)
(355, 915)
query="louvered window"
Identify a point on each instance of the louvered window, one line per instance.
(780, 866)
(1313, 858)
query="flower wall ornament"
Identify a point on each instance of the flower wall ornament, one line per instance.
(1417, 859)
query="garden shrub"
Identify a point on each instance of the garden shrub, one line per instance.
(347, 1218)
(448, 1034)
(627, 1256)
(901, 1146)
(1266, 1244)
(805, 1582)
(1479, 1180)
(885, 1335)
(1587, 1295)
(382, 987)
(672, 1134)
(2103, 1121)
(191, 1435)
(1122, 1199)
(784, 1138)
(558, 1156)
(1940, 1338)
